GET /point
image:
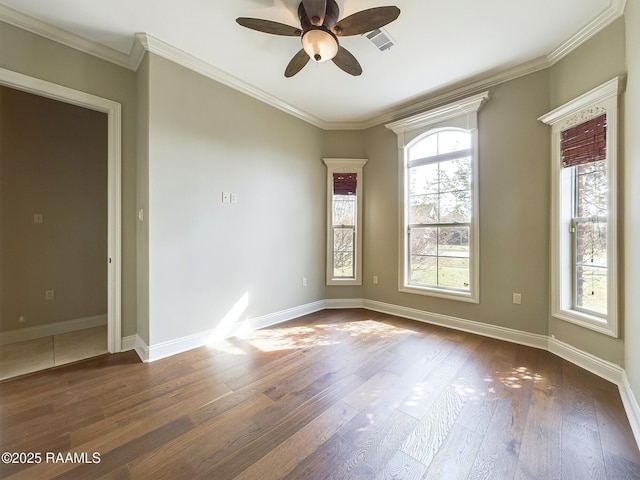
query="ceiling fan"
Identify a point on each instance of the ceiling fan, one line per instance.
(320, 29)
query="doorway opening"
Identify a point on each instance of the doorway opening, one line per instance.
(112, 120)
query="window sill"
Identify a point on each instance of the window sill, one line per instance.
(344, 282)
(592, 322)
(441, 293)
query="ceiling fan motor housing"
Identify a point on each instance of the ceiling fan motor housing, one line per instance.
(319, 41)
(331, 15)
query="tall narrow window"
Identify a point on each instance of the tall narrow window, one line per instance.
(439, 229)
(584, 206)
(344, 217)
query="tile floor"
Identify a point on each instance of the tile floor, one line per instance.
(46, 352)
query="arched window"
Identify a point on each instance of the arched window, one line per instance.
(439, 201)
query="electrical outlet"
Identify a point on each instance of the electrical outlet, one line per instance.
(517, 298)
(49, 295)
(38, 218)
(375, 279)
(304, 281)
(234, 198)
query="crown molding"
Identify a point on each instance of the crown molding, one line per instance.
(58, 35)
(145, 42)
(614, 11)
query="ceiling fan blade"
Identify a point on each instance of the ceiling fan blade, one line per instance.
(347, 62)
(296, 64)
(267, 26)
(315, 10)
(365, 21)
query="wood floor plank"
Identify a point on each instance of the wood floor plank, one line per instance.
(499, 450)
(456, 455)
(425, 440)
(376, 448)
(581, 452)
(239, 460)
(619, 468)
(198, 449)
(287, 455)
(325, 462)
(402, 467)
(541, 435)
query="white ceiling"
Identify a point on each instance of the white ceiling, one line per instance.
(439, 45)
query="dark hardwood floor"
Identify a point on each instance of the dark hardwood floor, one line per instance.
(344, 394)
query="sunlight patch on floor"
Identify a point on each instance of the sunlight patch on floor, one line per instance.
(289, 338)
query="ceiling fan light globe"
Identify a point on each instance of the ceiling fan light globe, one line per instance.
(320, 44)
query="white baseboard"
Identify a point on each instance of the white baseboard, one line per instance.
(165, 349)
(607, 370)
(128, 343)
(333, 303)
(500, 333)
(30, 333)
(142, 349)
(631, 406)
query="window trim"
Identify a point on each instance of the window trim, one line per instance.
(602, 99)
(345, 165)
(461, 114)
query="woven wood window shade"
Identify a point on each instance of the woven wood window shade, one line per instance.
(345, 183)
(584, 143)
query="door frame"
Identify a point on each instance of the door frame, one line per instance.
(113, 110)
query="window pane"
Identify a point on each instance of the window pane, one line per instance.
(423, 209)
(344, 209)
(343, 239)
(427, 147)
(453, 242)
(591, 190)
(424, 241)
(600, 165)
(591, 289)
(423, 179)
(452, 141)
(455, 175)
(343, 249)
(455, 207)
(591, 243)
(343, 265)
(423, 270)
(453, 273)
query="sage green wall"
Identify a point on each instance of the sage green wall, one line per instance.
(513, 164)
(632, 198)
(29, 54)
(212, 263)
(596, 61)
(53, 160)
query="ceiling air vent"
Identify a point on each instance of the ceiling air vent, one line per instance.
(380, 39)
